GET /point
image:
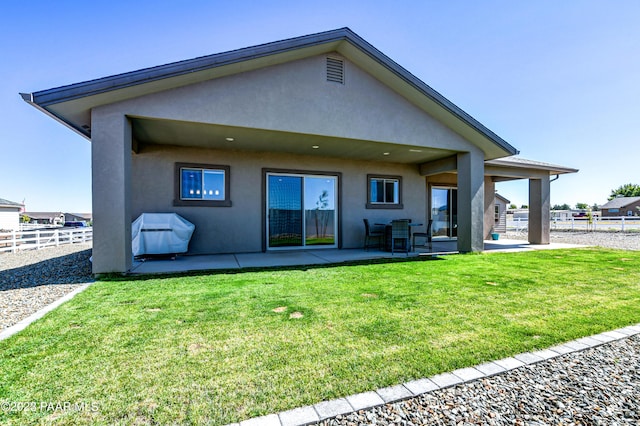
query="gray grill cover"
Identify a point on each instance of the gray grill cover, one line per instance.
(160, 233)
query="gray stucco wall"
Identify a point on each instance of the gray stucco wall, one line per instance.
(240, 228)
(293, 97)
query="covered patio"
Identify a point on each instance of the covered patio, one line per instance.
(293, 258)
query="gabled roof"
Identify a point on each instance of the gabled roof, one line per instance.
(71, 105)
(504, 200)
(7, 203)
(620, 202)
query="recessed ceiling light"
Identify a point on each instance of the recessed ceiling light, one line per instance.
(415, 150)
(385, 153)
(315, 146)
(230, 139)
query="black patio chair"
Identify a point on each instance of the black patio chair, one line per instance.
(426, 235)
(400, 232)
(372, 234)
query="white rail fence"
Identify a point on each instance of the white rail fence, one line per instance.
(41, 238)
(619, 224)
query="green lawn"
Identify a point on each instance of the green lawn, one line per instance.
(216, 348)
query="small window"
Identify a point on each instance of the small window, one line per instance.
(497, 213)
(384, 192)
(201, 185)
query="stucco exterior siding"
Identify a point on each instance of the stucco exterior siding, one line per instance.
(241, 227)
(295, 97)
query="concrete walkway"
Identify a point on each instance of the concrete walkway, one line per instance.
(327, 409)
(268, 259)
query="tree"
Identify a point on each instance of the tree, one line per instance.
(524, 206)
(595, 207)
(582, 206)
(513, 206)
(626, 190)
(564, 206)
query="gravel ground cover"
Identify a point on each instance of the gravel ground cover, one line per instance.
(32, 279)
(599, 386)
(617, 240)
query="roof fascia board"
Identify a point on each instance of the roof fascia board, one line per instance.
(28, 98)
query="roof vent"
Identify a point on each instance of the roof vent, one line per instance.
(335, 70)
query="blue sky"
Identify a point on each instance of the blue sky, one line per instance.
(558, 80)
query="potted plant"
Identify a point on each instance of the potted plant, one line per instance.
(494, 234)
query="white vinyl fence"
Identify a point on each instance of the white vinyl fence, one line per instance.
(40, 238)
(620, 224)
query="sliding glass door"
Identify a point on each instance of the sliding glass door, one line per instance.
(301, 211)
(444, 212)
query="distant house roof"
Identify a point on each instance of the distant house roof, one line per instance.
(7, 203)
(72, 104)
(620, 202)
(43, 215)
(504, 200)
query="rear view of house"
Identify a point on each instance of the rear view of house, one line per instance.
(287, 145)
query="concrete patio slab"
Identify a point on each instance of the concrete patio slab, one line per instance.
(287, 258)
(185, 263)
(278, 258)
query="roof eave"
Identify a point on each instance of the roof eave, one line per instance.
(29, 98)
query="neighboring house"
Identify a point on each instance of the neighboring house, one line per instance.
(77, 217)
(57, 218)
(500, 214)
(287, 145)
(45, 218)
(10, 215)
(622, 206)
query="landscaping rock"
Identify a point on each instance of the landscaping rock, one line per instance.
(32, 279)
(600, 385)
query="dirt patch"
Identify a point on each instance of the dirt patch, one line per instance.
(296, 315)
(369, 295)
(196, 348)
(279, 309)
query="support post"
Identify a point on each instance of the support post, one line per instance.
(111, 187)
(470, 201)
(539, 210)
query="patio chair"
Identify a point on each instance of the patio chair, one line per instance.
(400, 232)
(370, 234)
(426, 235)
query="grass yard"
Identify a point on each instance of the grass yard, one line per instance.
(226, 347)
